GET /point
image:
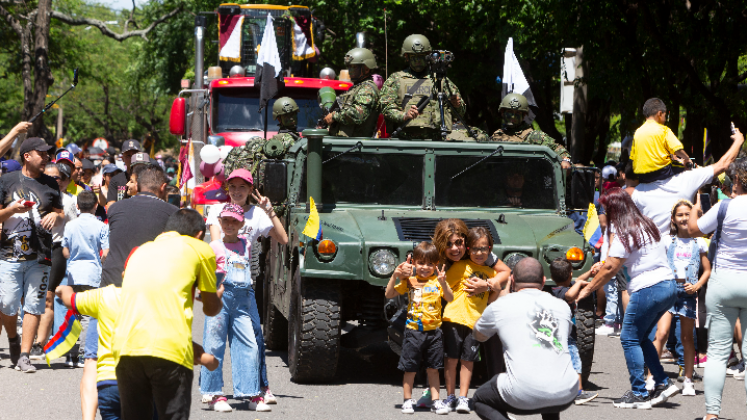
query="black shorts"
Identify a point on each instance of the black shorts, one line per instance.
(459, 342)
(422, 348)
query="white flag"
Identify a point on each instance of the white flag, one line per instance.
(514, 80)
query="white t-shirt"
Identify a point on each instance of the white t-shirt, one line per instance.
(656, 199)
(646, 266)
(70, 210)
(683, 252)
(256, 222)
(732, 250)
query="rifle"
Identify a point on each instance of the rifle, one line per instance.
(422, 103)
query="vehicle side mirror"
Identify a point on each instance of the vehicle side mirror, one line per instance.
(178, 117)
(580, 191)
(274, 180)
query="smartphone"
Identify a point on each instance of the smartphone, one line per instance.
(705, 202)
(733, 129)
(29, 203)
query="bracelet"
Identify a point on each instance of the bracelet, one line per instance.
(490, 288)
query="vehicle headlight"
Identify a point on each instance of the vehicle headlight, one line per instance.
(382, 262)
(513, 258)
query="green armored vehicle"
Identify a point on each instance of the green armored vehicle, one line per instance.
(376, 198)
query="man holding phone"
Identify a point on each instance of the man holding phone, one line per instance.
(30, 205)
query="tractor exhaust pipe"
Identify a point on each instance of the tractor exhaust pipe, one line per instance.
(200, 23)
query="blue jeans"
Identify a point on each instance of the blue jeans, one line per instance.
(611, 314)
(254, 314)
(234, 324)
(645, 308)
(110, 407)
(27, 280)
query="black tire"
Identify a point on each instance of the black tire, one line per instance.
(275, 329)
(585, 335)
(314, 330)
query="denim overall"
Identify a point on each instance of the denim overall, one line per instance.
(237, 322)
(686, 303)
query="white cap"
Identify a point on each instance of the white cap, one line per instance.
(609, 173)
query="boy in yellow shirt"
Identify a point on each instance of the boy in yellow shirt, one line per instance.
(654, 144)
(423, 342)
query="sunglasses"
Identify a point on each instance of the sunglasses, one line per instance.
(458, 242)
(479, 249)
(56, 178)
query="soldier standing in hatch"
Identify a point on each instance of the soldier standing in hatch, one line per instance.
(514, 109)
(359, 106)
(403, 89)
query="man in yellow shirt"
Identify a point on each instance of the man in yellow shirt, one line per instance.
(654, 145)
(153, 333)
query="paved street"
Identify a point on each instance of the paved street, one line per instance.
(367, 387)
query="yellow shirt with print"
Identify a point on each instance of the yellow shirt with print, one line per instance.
(102, 304)
(156, 313)
(466, 310)
(652, 145)
(74, 188)
(424, 302)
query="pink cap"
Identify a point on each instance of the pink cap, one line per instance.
(243, 174)
(233, 210)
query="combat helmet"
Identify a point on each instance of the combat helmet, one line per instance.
(515, 102)
(360, 56)
(283, 106)
(416, 44)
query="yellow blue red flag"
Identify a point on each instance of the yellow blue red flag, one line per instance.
(313, 228)
(65, 338)
(592, 230)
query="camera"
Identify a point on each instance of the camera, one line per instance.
(439, 61)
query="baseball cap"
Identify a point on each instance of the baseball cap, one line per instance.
(10, 165)
(609, 172)
(87, 164)
(233, 210)
(243, 174)
(34, 143)
(65, 155)
(139, 158)
(110, 168)
(131, 145)
(74, 149)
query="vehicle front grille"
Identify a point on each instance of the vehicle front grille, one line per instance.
(417, 229)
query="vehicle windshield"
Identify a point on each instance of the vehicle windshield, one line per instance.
(237, 109)
(367, 178)
(495, 182)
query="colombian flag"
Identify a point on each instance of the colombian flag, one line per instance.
(313, 227)
(65, 338)
(592, 230)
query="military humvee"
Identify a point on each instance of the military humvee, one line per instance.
(377, 198)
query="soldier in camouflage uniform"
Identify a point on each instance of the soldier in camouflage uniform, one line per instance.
(403, 89)
(514, 109)
(358, 107)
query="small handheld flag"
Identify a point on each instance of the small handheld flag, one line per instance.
(65, 338)
(592, 230)
(313, 227)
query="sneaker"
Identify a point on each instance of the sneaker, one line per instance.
(667, 356)
(630, 400)
(24, 365)
(735, 369)
(258, 404)
(269, 397)
(15, 350)
(408, 407)
(79, 362)
(701, 362)
(69, 361)
(583, 397)
(440, 407)
(463, 405)
(451, 402)
(605, 330)
(206, 399)
(733, 360)
(37, 352)
(681, 377)
(425, 400)
(739, 375)
(650, 384)
(218, 403)
(663, 392)
(688, 388)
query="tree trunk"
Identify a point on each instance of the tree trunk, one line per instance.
(579, 110)
(42, 75)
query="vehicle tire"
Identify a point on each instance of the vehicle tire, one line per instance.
(585, 335)
(275, 328)
(314, 330)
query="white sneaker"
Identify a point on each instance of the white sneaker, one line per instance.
(463, 405)
(408, 407)
(425, 400)
(739, 375)
(688, 388)
(269, 397)
(258, 404)
(439, 407)
(220, 404)
(650, 384)
(605, 330)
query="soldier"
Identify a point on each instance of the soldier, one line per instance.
(358, 106)
(403, 89)
(514, 109)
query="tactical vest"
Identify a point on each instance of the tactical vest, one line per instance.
(517, 137)
(409, 94)
(368, 127)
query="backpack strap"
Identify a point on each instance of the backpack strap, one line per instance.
(713, 248)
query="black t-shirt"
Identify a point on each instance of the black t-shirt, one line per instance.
(132, 223)
(23, 238)
(559, 292)
(118, 187)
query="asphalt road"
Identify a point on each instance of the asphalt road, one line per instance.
(367, 386)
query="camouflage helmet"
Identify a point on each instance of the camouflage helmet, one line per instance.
(283, 106)
(514, 101)
(416, 44)
(360, 56)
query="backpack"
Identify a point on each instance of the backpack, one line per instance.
(713, 247)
